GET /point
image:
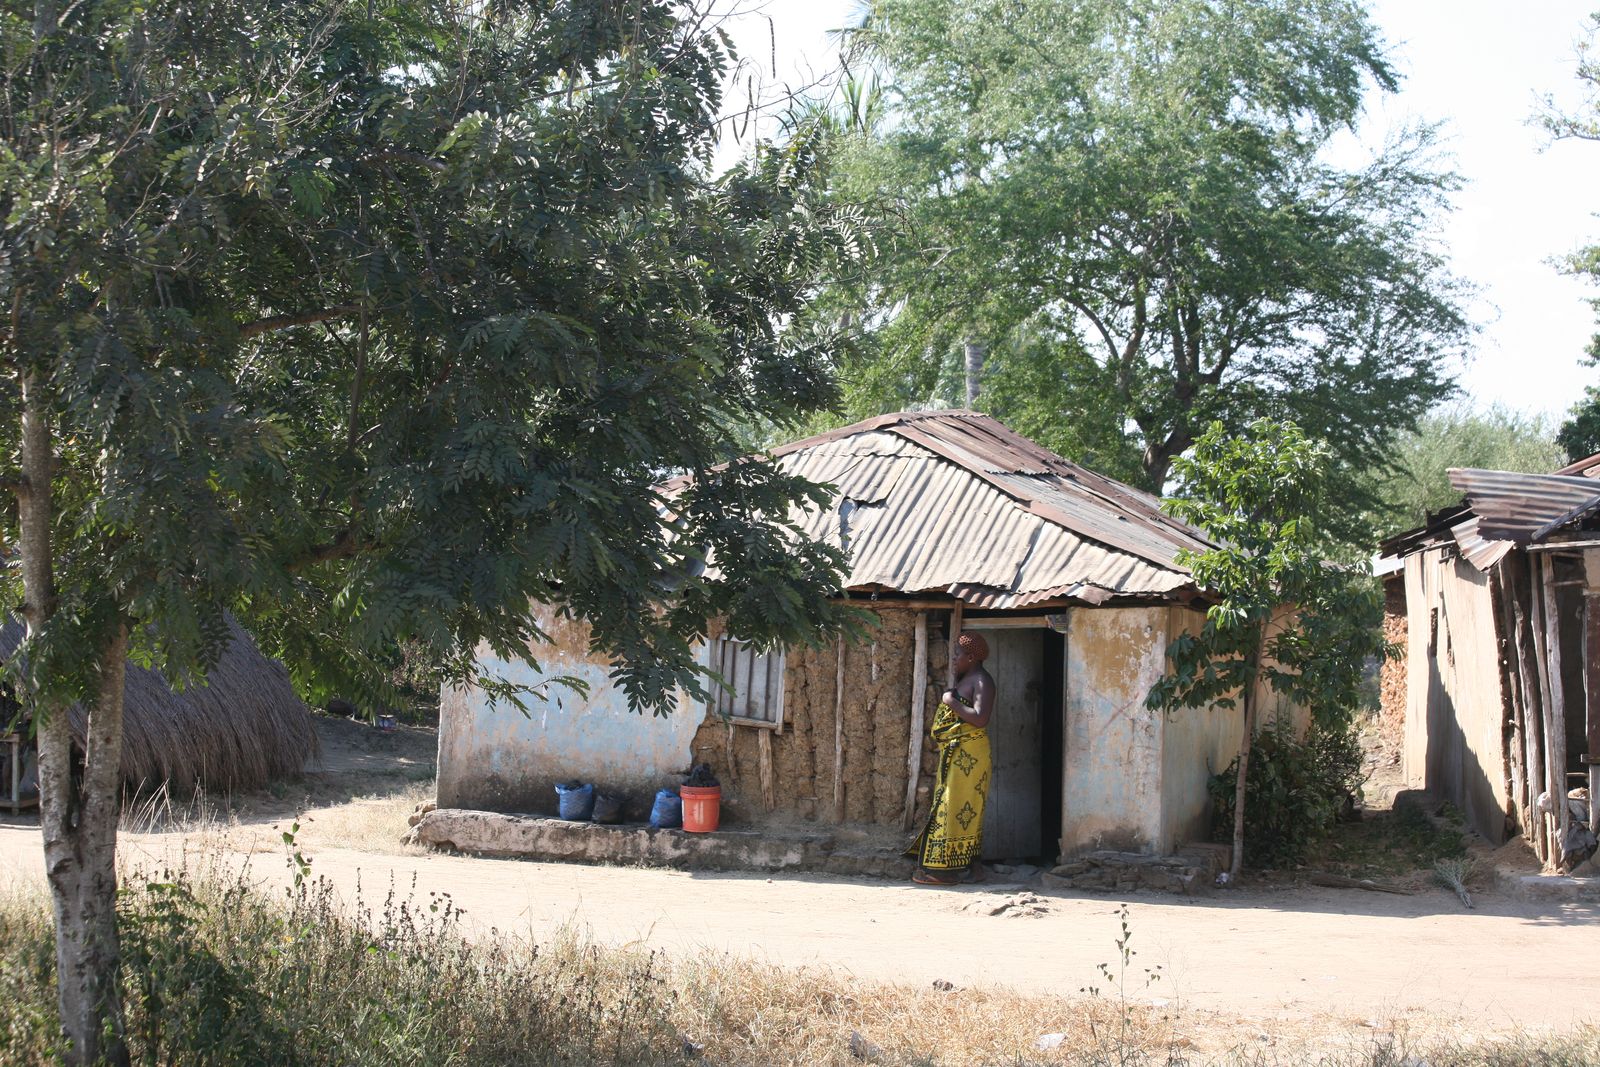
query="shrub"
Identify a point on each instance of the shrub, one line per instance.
(1294, 794)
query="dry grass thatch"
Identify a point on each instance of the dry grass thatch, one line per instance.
(243, 728)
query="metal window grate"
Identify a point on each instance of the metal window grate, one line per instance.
(753, 693)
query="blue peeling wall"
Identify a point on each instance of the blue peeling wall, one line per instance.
(496, 758)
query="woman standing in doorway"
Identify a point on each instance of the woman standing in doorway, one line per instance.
(952, 841)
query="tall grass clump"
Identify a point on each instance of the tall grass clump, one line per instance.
(220, 974)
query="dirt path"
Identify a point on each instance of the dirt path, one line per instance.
(1311, 957)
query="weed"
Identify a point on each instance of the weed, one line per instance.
(1392, 843)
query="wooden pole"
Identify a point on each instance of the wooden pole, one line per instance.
(838, 738)
(955, 635)
(1519, 567)
(919, 712)
(1517, 749)
(1591, 680)
(1555, 732)
(769, 797)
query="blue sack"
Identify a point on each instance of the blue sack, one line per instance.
(667, 812)
(575, 801)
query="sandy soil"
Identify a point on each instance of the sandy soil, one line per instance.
(1298, 956)
(1281, 958)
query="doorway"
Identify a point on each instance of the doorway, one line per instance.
(1022, 820)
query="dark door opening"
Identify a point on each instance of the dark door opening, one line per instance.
(1052, 741)
(1022, 819)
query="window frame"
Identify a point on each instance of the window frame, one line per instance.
(716, 648)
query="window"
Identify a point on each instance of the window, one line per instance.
(753, 695)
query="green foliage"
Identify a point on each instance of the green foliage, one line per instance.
(1131, 206)
(1413, 484)
(1280, 611)
(1395, 842)
(372, 325)
(1580, 433)
(1294, 794)
(189, 1002)
(1280, 614)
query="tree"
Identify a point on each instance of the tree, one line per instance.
(1413, 484)
(1280, 616)
(374, 324)
(1580, 433)
(1131, 204)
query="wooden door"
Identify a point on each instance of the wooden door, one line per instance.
(1012, 826)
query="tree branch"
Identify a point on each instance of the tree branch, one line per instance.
(284, 322)
(343, 546)
(400, 155)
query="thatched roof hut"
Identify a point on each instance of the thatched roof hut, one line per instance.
(242, 729)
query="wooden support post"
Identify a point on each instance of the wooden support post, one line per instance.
(1510, 680)
(955, 635)
(838, 738)
(769, 798)
(919, 712)
(1591, 679)
(1555, 726)
(1519, 573)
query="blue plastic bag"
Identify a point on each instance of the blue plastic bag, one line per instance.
(575, 800)
(667, 812)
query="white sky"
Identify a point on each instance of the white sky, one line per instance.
(1478, 66)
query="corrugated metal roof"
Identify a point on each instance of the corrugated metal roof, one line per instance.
(1478, 550)
(1524, 508)
(954, 502)
(1515, 509)
(1588, 467)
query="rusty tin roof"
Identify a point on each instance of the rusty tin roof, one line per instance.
(955, 502)
(1502, 509)
(1523, 508)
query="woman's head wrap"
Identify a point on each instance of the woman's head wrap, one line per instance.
(973, 644)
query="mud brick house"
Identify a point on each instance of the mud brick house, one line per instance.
(1497, 602)
(950, 520)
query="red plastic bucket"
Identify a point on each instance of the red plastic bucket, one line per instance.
(702, 807)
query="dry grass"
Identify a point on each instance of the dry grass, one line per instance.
(308, 979)
(370, 821)
(374, 822)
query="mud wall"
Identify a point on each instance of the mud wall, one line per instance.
(1112, 765)
(1455, 716)
(1196, 744)
(798, 783)
(1392, 672)
(495, 758)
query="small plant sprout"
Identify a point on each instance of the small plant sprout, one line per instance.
(1119, 980)
(298, 860)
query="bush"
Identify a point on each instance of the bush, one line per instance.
(1294, 793)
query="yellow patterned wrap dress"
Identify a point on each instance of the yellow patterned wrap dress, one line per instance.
(953, 838)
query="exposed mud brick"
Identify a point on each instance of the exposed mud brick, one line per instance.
(877, 723)
(1392, 672)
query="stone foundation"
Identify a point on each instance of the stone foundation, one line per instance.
(533, 837)
(1192, 872)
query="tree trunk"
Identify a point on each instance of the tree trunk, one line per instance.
(78, 818)
(1239, 789)
(1245, 742)
(974, 371)
(80, 844)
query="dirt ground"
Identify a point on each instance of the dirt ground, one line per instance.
(1268, 959)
